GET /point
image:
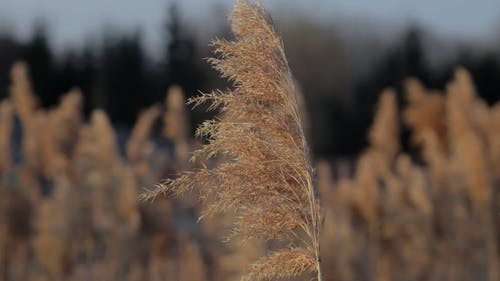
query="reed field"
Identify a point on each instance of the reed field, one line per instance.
(244, 199)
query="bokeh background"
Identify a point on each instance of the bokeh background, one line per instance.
(123, 55)
(92, 111)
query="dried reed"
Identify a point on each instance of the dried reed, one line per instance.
(59, 140)
(176, 124)
(32, 120)
(139, 148)
(266, 174)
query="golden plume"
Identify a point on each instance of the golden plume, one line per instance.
(265, 173)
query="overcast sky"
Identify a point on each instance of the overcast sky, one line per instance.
(71, 22)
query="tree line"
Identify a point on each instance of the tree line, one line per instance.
(119, 77)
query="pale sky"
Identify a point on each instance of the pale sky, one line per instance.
(71, 22)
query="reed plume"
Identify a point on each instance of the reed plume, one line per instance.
(424, 112)
(265, 173)
(32, 120)
(21, 92)
(139, 148)
(384, 134)
(176, 124)
(60, 136)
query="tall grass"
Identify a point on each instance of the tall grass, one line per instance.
(429, 216)
(265, 174)
(68, 190)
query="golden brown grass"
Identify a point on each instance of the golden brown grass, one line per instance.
(139, 149)
(431, 215)
(266, 174)
(399, 219)
(32, 120)
(57, 143)
(176, 122)
(392, 218)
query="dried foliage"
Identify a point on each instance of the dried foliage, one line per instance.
(384, 134)
(58, 141)
(265, 174)
(177, 123)
(431, 219)
(68, 198)
(69, 190)
(282, 264)
(139, 148)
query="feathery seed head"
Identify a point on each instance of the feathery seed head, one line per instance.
(265, 174)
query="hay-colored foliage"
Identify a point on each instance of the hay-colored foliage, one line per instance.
(176, 124)
(434, 218)
(68, 192)
(266, 174)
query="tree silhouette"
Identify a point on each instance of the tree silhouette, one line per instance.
(37, 53)
(9, 51)
(180, 53)
(121, 78)
(406, 59)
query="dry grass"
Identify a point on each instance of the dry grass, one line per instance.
(176, 122)
(68, 193)
(437, 220)
(265, 174)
